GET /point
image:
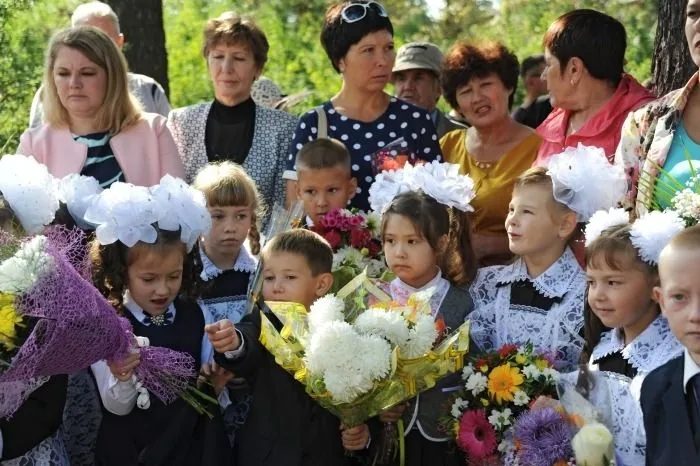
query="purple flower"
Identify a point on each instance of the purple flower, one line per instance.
(544, 437)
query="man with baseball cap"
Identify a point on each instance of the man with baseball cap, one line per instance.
(416, 78)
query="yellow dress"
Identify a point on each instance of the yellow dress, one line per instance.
(493, 185)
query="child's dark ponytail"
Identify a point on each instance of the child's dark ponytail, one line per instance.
(459, 256)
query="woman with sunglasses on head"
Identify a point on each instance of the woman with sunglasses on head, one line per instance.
(378, 130)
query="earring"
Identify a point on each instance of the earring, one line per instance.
(572, 83)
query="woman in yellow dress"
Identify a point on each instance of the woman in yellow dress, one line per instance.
(479, 82)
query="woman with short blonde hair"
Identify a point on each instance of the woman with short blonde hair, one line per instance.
(93, 125)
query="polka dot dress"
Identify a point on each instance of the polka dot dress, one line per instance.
(402, 125)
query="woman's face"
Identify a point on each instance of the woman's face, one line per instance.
(692, 29)
(484, 101)
(232, 70)
(368, 64)
(81, 84)
(558, 80)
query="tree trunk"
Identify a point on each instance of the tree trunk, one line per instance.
(141, 23)
(672, 64)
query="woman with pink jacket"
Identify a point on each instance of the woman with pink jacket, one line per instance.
(92, 124)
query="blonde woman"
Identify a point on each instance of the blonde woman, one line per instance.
(93, 125)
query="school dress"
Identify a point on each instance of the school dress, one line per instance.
(173, 434)
(624, 368)
(225, 296)
(427, 444)
(511, 307)
(31, 437)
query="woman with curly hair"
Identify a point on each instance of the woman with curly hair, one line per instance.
(479, 82)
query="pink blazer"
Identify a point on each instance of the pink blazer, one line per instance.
(145, 151)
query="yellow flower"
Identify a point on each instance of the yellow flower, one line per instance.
(520, 359)
(485, 402)
(484, 368)
(504, 382)
(364, 252)
(9, 320)
(541, 363)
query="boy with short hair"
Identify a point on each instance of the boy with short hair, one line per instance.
(324, 178)
(285, 425)
(671, 394)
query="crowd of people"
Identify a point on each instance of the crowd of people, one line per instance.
(517, 265)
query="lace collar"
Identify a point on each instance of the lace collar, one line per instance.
(401, 291)
(652, 348)
(138, 313)
(245, 262)
(555, 282)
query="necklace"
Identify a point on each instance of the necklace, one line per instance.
(483, 165)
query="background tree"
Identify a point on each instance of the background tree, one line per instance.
(672, 65)
(141, 21)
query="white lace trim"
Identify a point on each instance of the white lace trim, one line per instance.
(555, 282)
(496, 322)
(401, 291)
(245, 262)
(654, 347)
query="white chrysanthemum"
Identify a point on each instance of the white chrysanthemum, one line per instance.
(585, 181)
(183, 208)
(30, 189)
(78, 192)
(349, 363)
(348, 255)
(386, 324)
(476, 383)
(604, 219)
(374, 222)
(19, 273)
(500, 419)
(653, 231)
(550, 374)
(467, 371)
(531, 371)
(421, 337)
(375, 268)
(521, 398)
(324, 310)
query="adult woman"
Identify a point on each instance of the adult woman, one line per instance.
(584, 55)
(479, 83)
(664, 134)
(93, 125)
(358, 39)
(232, 127)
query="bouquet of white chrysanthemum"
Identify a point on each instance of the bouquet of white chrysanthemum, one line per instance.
(358, 353)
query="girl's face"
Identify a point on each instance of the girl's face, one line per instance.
(154, 277)
(229, 229)
(621, 298)
(408, 254)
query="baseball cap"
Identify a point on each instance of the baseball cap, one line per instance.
(419, 55)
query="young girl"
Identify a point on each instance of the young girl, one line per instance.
(149, 276)
(621, 265)
(428, 246)
(228, 259)
(539, 297)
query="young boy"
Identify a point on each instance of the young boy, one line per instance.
(285, 426)
(324, 178)
(671, 394)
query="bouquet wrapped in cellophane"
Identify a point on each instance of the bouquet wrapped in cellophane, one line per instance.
(54, 321)
(358, 353)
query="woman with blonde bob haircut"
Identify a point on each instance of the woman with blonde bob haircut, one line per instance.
(93, 125)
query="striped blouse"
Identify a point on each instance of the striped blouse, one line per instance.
(100, 162)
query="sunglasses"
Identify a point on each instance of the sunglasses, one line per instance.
(355, 12)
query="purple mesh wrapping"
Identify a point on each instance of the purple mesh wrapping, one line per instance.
(77, 327)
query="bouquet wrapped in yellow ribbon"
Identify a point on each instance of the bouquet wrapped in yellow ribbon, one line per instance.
(358, 353)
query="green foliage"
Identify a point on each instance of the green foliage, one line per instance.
(297, 61)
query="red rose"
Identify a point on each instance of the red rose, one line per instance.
(374, 248)
(360, 238)
(333, 238)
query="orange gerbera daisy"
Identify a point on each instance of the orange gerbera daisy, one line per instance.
(504, 381)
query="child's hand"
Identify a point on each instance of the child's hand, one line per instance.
(124, 369)
(392, 414)
(218, 376)
(223, 336)
(356, 438)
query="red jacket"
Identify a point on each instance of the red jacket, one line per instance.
(602, 130)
